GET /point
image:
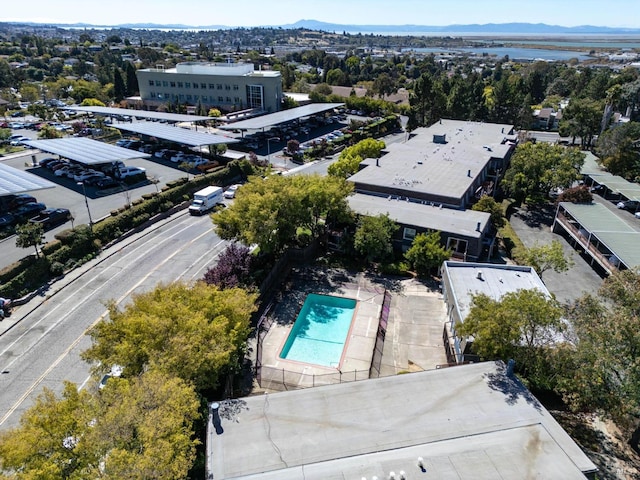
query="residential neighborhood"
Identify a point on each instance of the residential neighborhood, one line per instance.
(305, 253)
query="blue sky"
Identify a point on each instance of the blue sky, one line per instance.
(610, 13)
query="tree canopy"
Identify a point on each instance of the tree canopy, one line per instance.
(195, 332)
(426, 253)
(351, 157)
(522, 325)
(268, 212)
(545, 257)
(137, 428)
(373, 237)
(488, 204)
(537, 168)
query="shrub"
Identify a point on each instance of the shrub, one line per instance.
(579, 194)
(56, 269)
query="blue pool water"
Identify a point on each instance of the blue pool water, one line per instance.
(320, 331)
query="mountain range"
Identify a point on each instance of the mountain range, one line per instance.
(478, 29)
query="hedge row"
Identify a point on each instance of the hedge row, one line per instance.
(73, 247)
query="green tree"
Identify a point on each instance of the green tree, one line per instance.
(488, 205)
(426, 253)
(92, 102)
(373, 237)
(119, 88)
(136, 428)
(29, 93)
(617, 149)
(132, 79)
(582, 118)
(48, 443)
(538, 168)
(522, 325)
(545, 257)
(351, 157)
(599, 369)
(269, 212)
(145, 428)
(195, 332)
(427, 101)
(30, 235)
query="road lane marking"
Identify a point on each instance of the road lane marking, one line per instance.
(39, 380)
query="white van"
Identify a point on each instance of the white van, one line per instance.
(130, 171)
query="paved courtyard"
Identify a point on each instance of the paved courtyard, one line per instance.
(413, 340)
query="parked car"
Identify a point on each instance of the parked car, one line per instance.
(124, 172)
(107, 182)
(7, 220)
(45, 162)
(50, 217)
(630, 205)
(29, 210)
(86, 174)
(231, 191)
(20, 199)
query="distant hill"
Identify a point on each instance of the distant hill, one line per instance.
(488, 28)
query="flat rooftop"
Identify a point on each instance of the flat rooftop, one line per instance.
(495, 281)
(467, 422)
(180, 135)
(619, 236)
(441, 169)
(85, 150)
(461, 222)
(13, 181)
(110, 111)
(271, 119)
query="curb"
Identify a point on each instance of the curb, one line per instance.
(50, 290)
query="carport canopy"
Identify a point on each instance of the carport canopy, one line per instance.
(85, 151)
(283, 116)
(169, 117)
(14, 181)
(180, 135)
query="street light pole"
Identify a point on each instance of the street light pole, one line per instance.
(86, 202)
(277, 139)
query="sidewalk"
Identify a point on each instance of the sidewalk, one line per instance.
(36, 299)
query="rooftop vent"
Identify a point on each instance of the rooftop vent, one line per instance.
(479, 275)
(441, 139)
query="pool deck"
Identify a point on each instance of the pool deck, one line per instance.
(413, 340)
(357, 354)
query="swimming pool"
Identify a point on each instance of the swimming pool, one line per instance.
(320, 331)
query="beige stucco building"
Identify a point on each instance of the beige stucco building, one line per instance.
(230, 86)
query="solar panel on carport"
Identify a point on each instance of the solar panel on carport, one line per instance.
(14, 181)
(170, 117)
(175, 134)
(85, 150)
(272, 119)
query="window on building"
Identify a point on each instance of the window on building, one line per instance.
(227, 87)
(189, 98)
(203, 86)
(205, 99)
(151, 83)
(457, 246)
(187, 84)
(173, 84)
(228, 99)
(195, 85)
(180, 85)
(219, 86)
(182, 97)
(165, 83)
(409, 233)
(152, 94)
(158, 83)
(221, 99)
(212, 86)
(236, 100)
(236, 87)
(255, 97)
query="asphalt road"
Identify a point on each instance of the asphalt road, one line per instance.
(40, 344)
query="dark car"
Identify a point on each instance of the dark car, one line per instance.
(51, 217)
(7, 220)
(630, 205)
(107, 183)
(28, 211)
(10, 202)
(45, 162)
